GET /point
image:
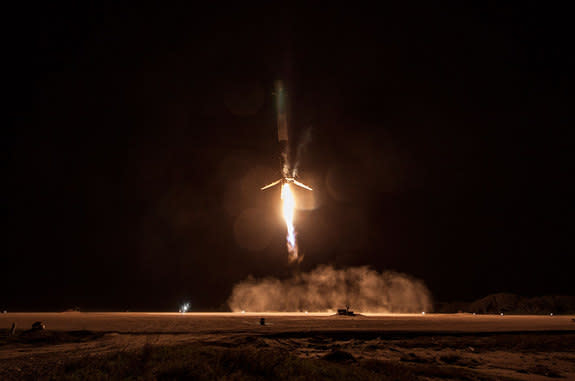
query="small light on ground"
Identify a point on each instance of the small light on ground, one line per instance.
(423, 312)
(474, 313)
(501, 314)
(306, 312)
(243, 311)
(551, 314)
(185, 307)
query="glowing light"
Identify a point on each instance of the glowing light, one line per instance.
(423, 312)
(288, 214)
(185, 307)
(501, 314)
(243, 312)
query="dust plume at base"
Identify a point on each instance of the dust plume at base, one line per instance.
(327, 289)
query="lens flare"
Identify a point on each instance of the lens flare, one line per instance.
(288, 213)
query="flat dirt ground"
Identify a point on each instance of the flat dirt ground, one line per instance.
(471, 346)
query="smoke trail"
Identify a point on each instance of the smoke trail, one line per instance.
(305, 140)
(327, 289)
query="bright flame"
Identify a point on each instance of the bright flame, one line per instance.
(288, 213)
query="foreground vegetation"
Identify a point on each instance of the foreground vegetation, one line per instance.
(198, 362)
(298, 355)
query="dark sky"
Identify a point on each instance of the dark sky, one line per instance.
(137, 140)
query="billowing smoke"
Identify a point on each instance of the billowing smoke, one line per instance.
(327, 289)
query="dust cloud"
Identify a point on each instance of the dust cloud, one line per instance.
(326, 289)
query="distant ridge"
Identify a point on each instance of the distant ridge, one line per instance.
(513, 304)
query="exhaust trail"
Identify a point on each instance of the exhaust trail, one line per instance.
(288, 213)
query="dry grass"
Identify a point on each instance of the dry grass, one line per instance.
(46, 337)
(197, 362)
(294, 356)
(200, 362)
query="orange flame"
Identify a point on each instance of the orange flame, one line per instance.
(288, 213)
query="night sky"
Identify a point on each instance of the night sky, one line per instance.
(135, 142)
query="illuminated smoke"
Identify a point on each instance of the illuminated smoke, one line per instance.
(288, 214)
(327, 289)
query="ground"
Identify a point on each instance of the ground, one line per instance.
(305, 346)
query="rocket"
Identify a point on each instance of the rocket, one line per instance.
(288, 174)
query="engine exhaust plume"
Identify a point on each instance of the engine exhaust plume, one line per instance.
(288, 214)
(326, 289)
